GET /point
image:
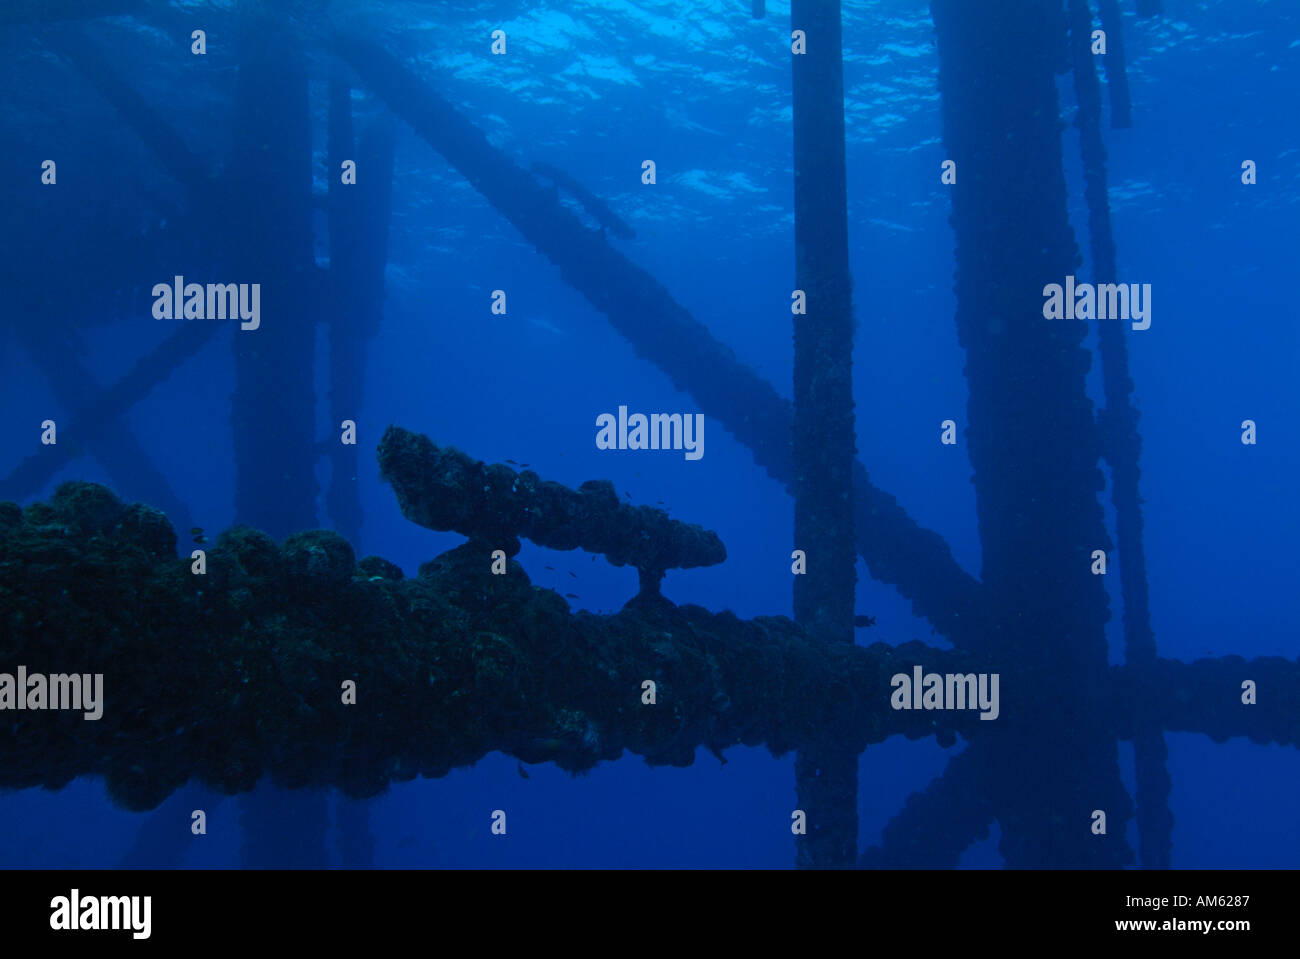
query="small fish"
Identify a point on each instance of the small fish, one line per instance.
(573, 574)
(861, 621)
(512, 462)
(572, 595)
(200, 540)
(196, 530)
(551, 568)
(522, 771)
(525, 465)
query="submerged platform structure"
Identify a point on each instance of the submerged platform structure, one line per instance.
(241, 672)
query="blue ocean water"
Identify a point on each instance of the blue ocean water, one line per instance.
(703, 89)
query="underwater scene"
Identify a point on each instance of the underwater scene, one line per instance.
(649, 433)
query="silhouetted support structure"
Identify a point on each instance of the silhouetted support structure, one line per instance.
(897, 551)
(358, 243)
(1121, 106)
(356, 841)
(272, 415)
(103, 409)
(275, 487)
(938, 823)
(144, 120)
(826, 774)
(111, 440)
(1122, 447)
(164, 838)
(594, 206)
(282, 829)
(97, 415)
(1033, 442)
(347, 346)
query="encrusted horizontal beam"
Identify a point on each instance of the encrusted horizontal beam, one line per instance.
(1223, 698)
(244, 668)
(443, 489)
